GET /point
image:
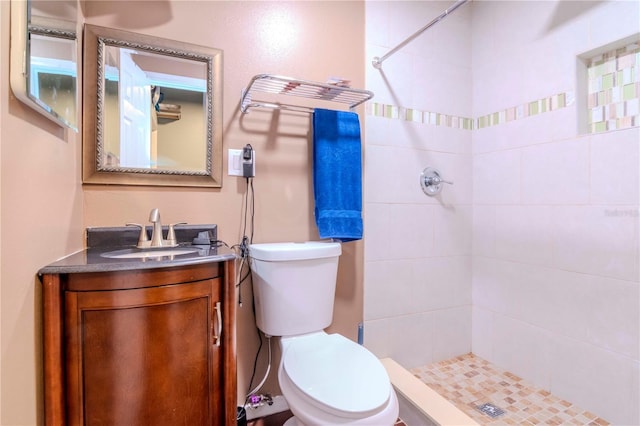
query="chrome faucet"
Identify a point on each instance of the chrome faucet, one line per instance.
(156, 234)
(157, 239)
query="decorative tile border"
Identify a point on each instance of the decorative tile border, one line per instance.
(614, 89)
(417, 116)
(613, 99)
(540, 106)
(529, 109)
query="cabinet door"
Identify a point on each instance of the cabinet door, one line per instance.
(144, 356)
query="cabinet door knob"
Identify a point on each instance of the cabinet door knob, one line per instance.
(218, 335)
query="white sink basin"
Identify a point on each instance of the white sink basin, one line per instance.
(146, 254)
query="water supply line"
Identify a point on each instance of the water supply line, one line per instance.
(266, 374)
(377, 61)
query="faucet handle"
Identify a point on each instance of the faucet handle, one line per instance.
(154, 215)
(171, 235)
(143, 238)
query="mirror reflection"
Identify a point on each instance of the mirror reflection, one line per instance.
(52, 74)
(44, 64)
(155, 111)
(152, 111)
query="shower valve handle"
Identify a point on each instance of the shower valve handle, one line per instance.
(436, 180)
(431, 182)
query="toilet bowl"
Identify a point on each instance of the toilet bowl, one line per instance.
(326, 379)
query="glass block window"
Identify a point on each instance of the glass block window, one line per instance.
(614, 89)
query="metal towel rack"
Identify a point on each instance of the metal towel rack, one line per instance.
(280, 85)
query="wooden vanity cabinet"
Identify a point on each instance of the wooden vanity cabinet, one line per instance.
(141, 347)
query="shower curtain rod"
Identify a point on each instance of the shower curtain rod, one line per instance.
(377, 62)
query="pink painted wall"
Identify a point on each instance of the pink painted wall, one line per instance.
(45, 208)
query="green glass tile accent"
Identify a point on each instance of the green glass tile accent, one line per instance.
(562, 100)
(629, 92)
(533, 108)
(607, 81)
(408, 114)
(614, 88)
(494, 118)
(598, 70)
(389, 111)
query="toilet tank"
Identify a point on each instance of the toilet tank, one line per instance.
(294, 286)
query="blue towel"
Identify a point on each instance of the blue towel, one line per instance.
(337, 174)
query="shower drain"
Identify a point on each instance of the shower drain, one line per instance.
(490, 410)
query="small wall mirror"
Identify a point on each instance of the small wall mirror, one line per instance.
(44, 65)
(152, 110)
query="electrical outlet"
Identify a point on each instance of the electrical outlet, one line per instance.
(239, 166)
(235, 162)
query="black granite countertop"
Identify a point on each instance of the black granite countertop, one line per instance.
(93, 260)
(96, 258)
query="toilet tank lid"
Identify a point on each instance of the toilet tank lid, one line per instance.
(294, 251)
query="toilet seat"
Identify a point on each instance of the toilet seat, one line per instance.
(336, 375)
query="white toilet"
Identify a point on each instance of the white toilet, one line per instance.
(326, 379)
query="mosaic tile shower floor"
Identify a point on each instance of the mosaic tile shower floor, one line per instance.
(469, 382)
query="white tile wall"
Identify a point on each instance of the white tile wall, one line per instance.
(497, 177)
(587, 240)
(408, 339)
(556, 173)
(451, 332)
(532, 258)
(555, 266)
(417, 248)
(615, 175)
(484, 230)
(522, 349)
(595, 378)
(524, 233)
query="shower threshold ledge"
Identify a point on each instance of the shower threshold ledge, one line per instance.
(419, 404)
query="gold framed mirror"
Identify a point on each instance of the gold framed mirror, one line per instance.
(152, 110)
